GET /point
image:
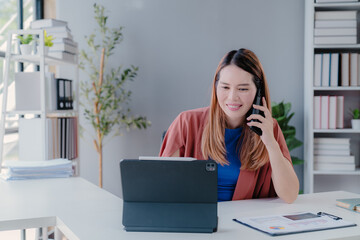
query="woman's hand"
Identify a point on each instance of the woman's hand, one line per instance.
(265, 124)
(283, 175)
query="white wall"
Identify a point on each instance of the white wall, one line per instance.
(177, 45)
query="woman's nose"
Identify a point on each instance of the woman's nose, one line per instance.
(232, 94)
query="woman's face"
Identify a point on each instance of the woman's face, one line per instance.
(235, 94)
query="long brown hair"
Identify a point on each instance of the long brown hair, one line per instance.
(253, 153)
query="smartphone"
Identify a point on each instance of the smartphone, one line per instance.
(257, 101)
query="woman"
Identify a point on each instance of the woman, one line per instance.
(249, 165)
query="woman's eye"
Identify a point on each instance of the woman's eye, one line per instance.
(224, 87)
(243, 89)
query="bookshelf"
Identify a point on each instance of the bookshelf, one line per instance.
(321, 180)
(44, 113)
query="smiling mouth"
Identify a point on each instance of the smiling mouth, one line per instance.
(233, 107)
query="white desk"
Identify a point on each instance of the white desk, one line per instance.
(83, 211)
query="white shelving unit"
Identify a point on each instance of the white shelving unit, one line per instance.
(317, 181)
(42, 61)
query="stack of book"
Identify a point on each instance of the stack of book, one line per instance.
(64, 47)
(333, 154)
(18, 170)
(61, 137)
(336, 27)
(328, 112)
(336, 69)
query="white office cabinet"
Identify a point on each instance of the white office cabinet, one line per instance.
(40, 123)
(330, 29)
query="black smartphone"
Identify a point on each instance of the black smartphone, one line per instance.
(257, 101)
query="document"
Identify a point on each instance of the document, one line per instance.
(18, 170)
(294, 223)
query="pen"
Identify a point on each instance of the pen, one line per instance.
(329, 215)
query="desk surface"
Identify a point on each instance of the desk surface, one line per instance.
(84, 211)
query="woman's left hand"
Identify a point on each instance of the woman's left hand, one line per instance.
(265, 124)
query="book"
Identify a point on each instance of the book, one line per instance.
(63, 55)
(63, 47)
(317, 69)
(354, 69)
(345, 69)
(324, 118)
(332, 141)
(332, 112)
(58, 29)
(51, 92)
(352, 204)
(61, 35)
(325, 146)
(317, 112)
(340, 112)
(335, 15)
(334, 166)
(334, 69)
(334, 159)
(335, 31)
(64, 94)
(332, 152)
(45, 23)
(358, 80)
(335, 23)
(66, 41)
(335, 40)
(325, 73)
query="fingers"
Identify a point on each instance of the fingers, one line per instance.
(264, 109)
(264, 102)
(256, 116)
(256, 124)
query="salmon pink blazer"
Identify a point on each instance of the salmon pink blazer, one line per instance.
(185, 133)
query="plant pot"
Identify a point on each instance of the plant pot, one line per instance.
(355, 123)
(25, 49)
(46, 50)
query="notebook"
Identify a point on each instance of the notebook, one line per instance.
(169, 195)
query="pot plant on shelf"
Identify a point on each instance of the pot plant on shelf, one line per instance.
(48, 42)
(25, 46)
(104, 95)
(282, 113)
(355, 121)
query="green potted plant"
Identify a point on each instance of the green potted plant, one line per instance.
(355, 121)
(104, 96)
(25, 47)
(282, 113)
(48, 42)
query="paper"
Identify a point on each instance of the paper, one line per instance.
(16, 170)
(293, 223)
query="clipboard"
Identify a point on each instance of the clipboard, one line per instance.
(277, 225)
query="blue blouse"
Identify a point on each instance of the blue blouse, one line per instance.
(229, 174)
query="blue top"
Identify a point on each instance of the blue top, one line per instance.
(229, 174)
